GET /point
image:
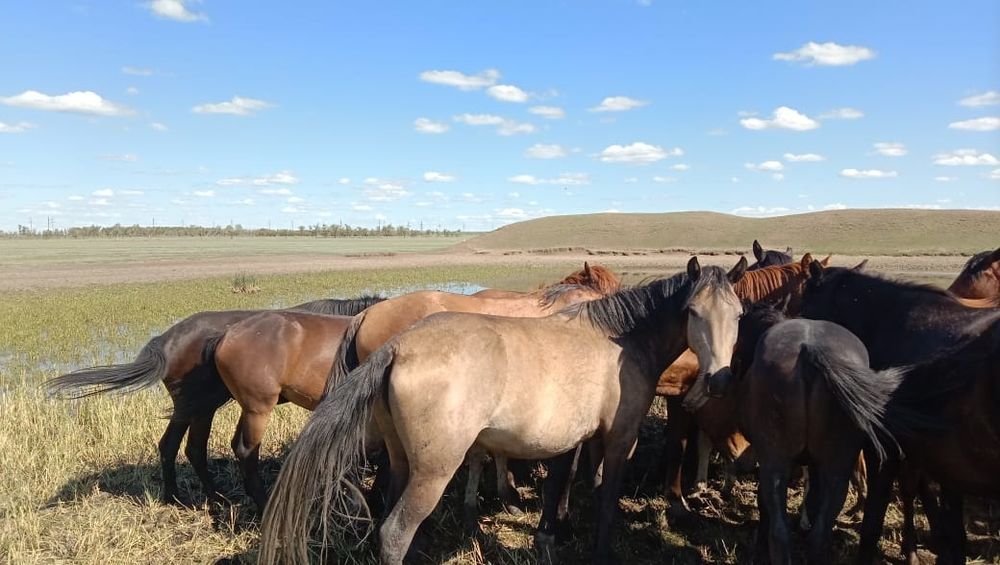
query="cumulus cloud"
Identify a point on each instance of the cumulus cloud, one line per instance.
(80, 102)
(507, 93)
(681, 167)
(384, 190)
(638, 153)
(827, 54)
(158, 126)
(890, 148)
(989, 98)
(565, 179)
(664, 180)
(343, 181)
(19, 127)
(275, 191)
(279, 178)
(945, 179)
(803, 157)
(504, 126)
(132, 90)
(835, 206)
(760, 210)
(994, 174)
(204, 193)
(427, 125)
(131, 192)
(548, 112)
(545, 151)
(618, 104)
(783, 117)
(987, 123)
(867, 174)
(965, 157)
(137, 71)
(176, 10)
(511, 127)
(842, 114)
(238, 106)
(460, 80)
(434, 176)
(511, 213)
(105, 192)
(766, 166)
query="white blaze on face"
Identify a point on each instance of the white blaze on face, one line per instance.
(713, 325)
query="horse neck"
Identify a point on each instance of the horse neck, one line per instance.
(768, 283)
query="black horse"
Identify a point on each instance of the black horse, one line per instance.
(900, 324)
(769, 257)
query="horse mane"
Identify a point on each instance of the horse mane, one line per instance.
(339, 307)
(978, 262)
(597, 277)
(635, 309)
(552, 293)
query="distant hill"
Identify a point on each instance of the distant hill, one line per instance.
(882, 231)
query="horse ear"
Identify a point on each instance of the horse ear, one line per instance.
(694, 269)
(737, 272)
(806, 260)
(815, 271)
(788, 251)
(826, 261)
(995, 257)
(586, 269)
(860, 266)
(758, 251)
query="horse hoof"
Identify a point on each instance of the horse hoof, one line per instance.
(545, 547)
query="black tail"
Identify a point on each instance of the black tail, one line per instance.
(315, 476)
(346, 358)
(862, 393)
(149, 368)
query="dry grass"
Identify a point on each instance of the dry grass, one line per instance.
(867, 232)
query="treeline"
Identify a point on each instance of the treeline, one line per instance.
(318, 230)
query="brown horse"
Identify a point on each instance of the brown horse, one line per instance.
(980, 278)
(597, 277)
(181, 360)
(530, 388)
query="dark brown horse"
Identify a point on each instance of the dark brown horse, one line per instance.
(180, 358)
(769, 257)
(980, 278)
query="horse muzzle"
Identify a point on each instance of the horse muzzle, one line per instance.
(718, 383)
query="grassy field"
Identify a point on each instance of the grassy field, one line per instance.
(81, 480)
(846, 232)
(38, 251)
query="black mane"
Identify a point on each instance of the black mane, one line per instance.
(637, 309)
(338, 306)
(977, 262)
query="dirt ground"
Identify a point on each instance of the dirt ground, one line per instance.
(58, 274)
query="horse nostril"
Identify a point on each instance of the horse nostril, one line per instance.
(718, 384)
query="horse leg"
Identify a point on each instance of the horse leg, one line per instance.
(675, 441)
(422, 492)
(859, 479)
(506, 488)
(246, 447)
(879, 491)
(704, 456)
(953, 527)
(614, 463)
(197, 453)
(169, 445)
(564, 529)
(808, 494)
(556, 486)
(907, 493)
(476, 457)
(772, 494)
(832, 488)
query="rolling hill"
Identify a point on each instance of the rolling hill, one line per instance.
(882, 231)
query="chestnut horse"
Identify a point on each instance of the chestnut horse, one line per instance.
(597, 277)
(530, 388)
(181, 360)
(980, 278)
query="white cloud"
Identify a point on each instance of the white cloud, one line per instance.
(131, 192)
(275, 191)
(545, 151)
(548, 112)
(515, 213)
(462, 81)
(759, 211)
(945, 179)
(618, 104)
(827, 54)
(292, 210)
(507, 93)
(890, 148)
(782, 118)
(681, 167)
(803, 157)
(238, 106)
(295, 200)
(101, 202)
(204, 193)
(137, 71)
(75, 198)
(361, 208)
(514, 194)
(565, 179)
(281, 177)
(986, 123)
(510, 127)
(176, 10)
(867, 174)
(19, 127)
(434, 176)
(922, 206)
(103, 192)
(126, 158)
(479, 119)
(638, 153)
(835, 206)
(842, 114)
(343, 181)
(80, 102)
(427, 125)
(778, 176)
(989, 98)
(383, 190)
(158, 126)
(664, 180)
(245, 202)
(965, 157)
(132, 90)
(769, 166)
(994, 174)
(631, 180)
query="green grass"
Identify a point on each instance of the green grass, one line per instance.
(15, 251)
(867, 232)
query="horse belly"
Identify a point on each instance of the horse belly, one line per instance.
(537, 444)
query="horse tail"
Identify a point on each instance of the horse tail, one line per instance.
(149, 368)
(315, 476)
(345, 359)
(861, 392)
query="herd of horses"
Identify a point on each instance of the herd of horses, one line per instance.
(846, 373)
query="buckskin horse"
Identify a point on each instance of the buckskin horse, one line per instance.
(530, 388)
(900, 324)
(181, 359)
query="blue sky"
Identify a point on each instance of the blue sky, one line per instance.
(478, 114)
